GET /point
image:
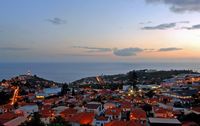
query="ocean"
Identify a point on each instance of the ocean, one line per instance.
(68, 72)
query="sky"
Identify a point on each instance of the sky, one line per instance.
(99, 30)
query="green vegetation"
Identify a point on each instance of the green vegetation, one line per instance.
(4, 97)
(34, 121)
(59, 121)
(133, 77)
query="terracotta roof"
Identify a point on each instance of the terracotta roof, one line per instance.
(138, 114)
(82, 118)
(164, 112)
(24, 104)
(47, 113)
(31, 94)
(197, 109)
(122, 123)
(113, 111)
(102, 118)
(126, 104)
(116, 123)
(160, 110)
(46, 107)
(177, 112)
(92, 106)
(5, 117)
(133, 123)
(68, 111)
(7, 106)
(49, 101)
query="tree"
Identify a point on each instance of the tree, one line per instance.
(150, 94)
(73, 91)
(147, 108)
(133, 78)
(4, 97)
(191, 117)
(59, 121)
(35, 121)
(3, 81)
(64, 89)
(16, 105)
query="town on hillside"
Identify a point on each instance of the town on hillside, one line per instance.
(137, 98)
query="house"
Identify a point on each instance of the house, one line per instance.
(116, 123)
(164, 122)
(162, 113)
(59, 109)
(27, 109)
(16, 122)
(48, 92)
(123, 123)
(68, 113)
(6, 108)
(138, 115)
(113, 113)
(109, 105)
(196, 110)
(125, 105)
(11, 119)
(101, 121)
(82, 118)
(95, 107)
(152, 101)
(47, 115)
(6, 117)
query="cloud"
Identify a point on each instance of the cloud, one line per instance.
(13, 49)
(94, 49)
(115, 51)
(184, 22)
(165, 26)
(160, 27)
(180, 6)
(149, 50)
(56, 21)
(127, 51)
(169, 49)
(194, 27)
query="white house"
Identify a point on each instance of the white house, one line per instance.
(95, 107)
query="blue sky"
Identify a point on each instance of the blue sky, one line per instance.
(99, 30)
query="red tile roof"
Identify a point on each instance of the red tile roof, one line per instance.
(126, 105)
(137, 114)
(122, 123)
(113, 111)
(82, 118)
(196, 109)
(116, 123)
(68, 112)
(47, 113)
(133, 123)
(102, 118)
(5, 117)
(92, 106)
